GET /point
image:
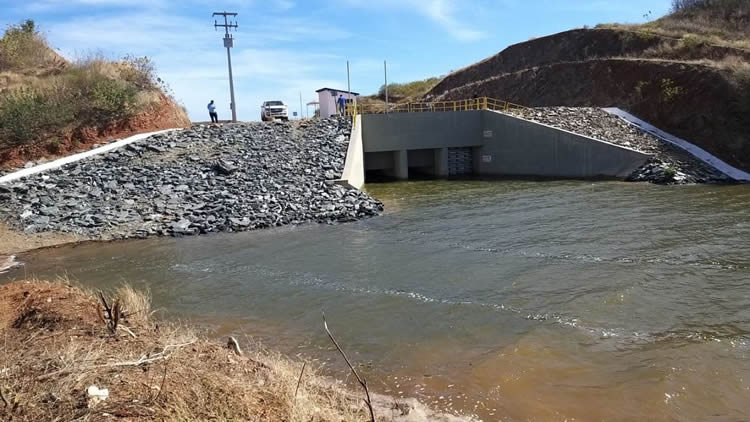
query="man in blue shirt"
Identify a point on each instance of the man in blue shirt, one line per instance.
(342, 104)
(212, 112)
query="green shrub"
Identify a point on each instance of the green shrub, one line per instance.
(669, 90)
(670, 173)
(110, 99)
(22, 46)
(26, 114)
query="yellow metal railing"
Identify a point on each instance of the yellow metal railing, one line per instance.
(480, 103)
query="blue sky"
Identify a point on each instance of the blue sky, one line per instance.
(284, 47)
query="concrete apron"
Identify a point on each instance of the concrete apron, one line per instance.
(695, 150)
(77, 157)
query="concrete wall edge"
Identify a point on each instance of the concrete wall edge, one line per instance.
(353, 174)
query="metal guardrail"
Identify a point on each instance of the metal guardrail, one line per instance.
(480, 103)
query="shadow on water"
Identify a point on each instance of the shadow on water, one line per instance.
(532, 301)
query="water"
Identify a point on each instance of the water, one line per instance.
(505, 300)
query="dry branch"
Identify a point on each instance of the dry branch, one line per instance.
(2, 396)
(112, 319)
(127, 330)
(144, 359)
(299, 381)
(163, 379)
(361, 381)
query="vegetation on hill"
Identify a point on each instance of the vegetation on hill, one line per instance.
(48, 105)
(717, 22)
(404, 91)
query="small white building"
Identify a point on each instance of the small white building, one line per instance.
(327, 98)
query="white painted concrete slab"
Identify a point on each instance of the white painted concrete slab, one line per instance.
(77, 157)
(8, 262)
(354, 166)
(695, 150)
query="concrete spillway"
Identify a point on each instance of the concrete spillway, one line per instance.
(479, 143)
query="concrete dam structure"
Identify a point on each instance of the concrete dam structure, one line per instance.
(479, 143)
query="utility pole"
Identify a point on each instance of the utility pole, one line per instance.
(228, 43)
(348, 81)
(300, 106)
(348, 84)
(385, 74)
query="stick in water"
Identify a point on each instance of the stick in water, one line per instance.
(361, 381)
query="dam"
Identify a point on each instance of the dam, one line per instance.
(476, 139)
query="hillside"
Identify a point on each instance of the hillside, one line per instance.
(50, 106)
(696, 86)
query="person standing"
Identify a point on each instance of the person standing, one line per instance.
(212, 112)
(341, 104)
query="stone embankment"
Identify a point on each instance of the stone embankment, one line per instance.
(200, 180)
(669, 165)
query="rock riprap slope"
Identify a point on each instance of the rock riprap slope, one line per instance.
(204, 179)
(669, 164)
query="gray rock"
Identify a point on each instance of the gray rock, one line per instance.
(181, 225)
(225, 167)
(49, 211)
(204, 179)
(40, 220)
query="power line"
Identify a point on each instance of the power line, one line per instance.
(228, 43)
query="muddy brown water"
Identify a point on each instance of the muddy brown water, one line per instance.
(504, 300)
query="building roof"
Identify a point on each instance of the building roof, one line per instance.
(337, 90)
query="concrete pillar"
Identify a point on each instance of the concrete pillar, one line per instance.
(476, 153)
(441, 162)
(401, 164)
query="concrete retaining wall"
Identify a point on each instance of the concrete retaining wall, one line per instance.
(396, 131)
(503, 145)
(516, 147)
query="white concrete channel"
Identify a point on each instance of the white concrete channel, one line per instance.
(696, 151)
(20, 174)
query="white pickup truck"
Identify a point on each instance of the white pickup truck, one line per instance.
(271, 110)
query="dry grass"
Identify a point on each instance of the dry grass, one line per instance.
(675, 31)
(724, 23)
(136, 305)
(56, 346)
(403, 92)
